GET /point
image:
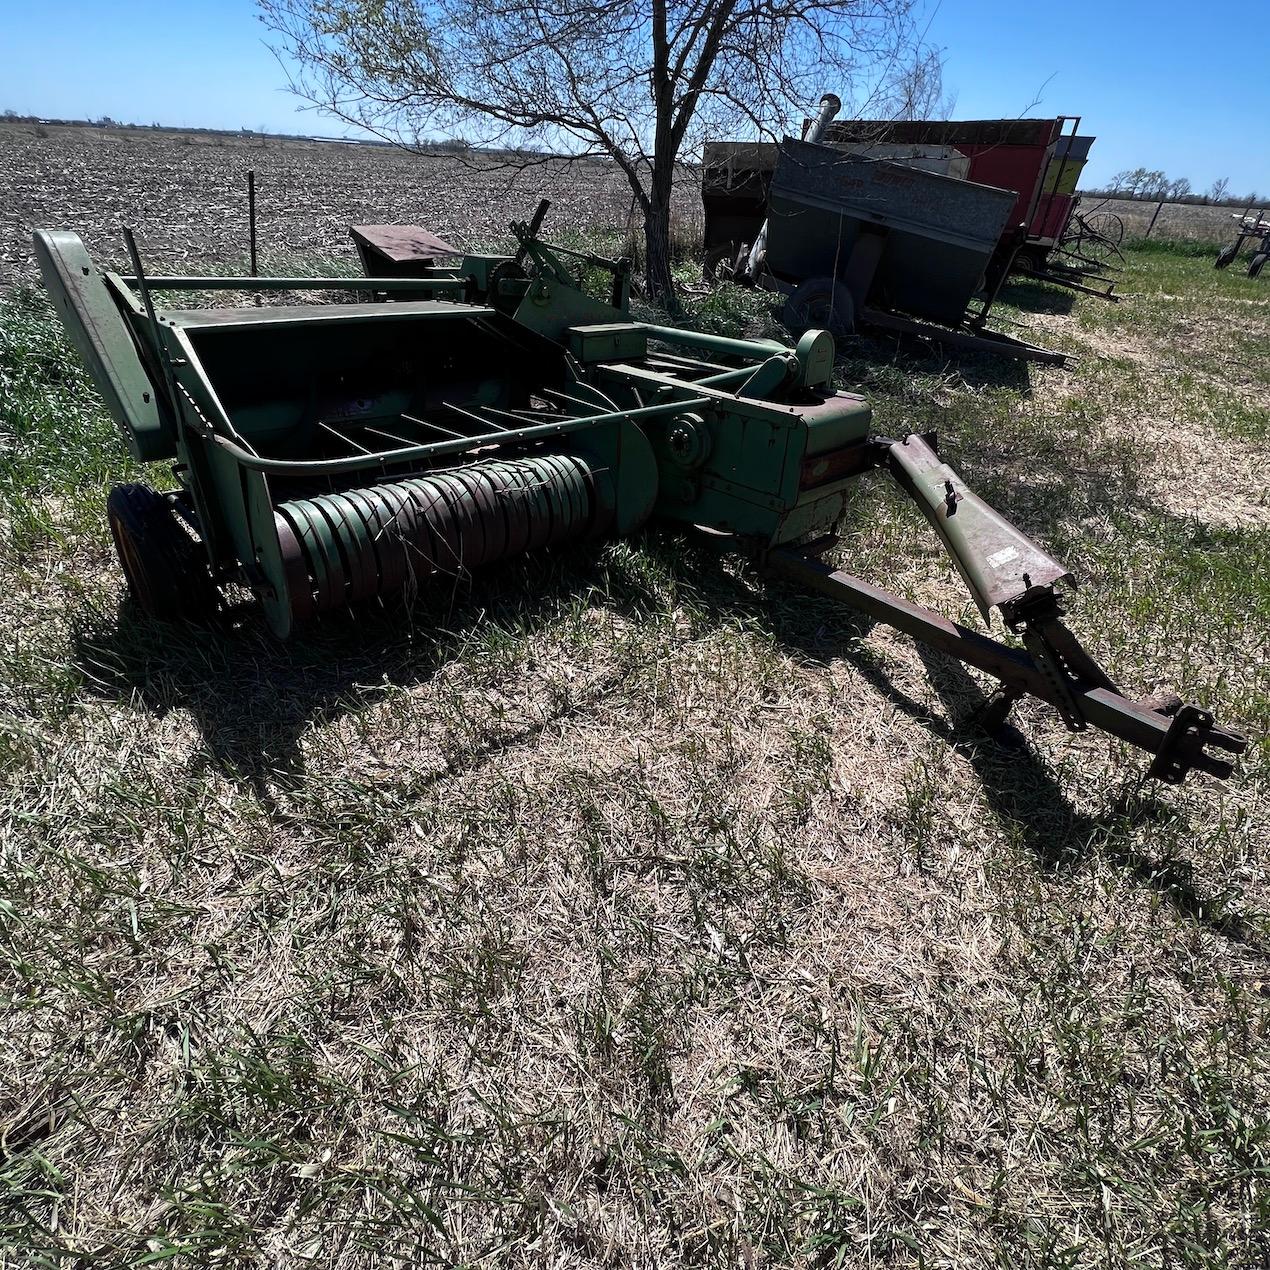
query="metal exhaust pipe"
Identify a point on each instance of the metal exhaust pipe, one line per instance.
(830, 104)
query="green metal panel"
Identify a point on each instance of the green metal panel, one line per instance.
(999, 563)
(100, 332)
(608, 342)
(273, 589)
(551, 308)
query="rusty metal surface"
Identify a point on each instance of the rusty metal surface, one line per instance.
(402, 243)
(1000, 564)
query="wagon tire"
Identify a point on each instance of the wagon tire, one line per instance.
(1258, 263)
(720, 264)
(1030, 261)
(166, 571)
(822, 303)
(1224, 258)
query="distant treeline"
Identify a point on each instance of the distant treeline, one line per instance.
(1150, 185)
(454, 145)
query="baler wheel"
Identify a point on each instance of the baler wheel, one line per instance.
(166, 571)
(822, 303)
(1258, 263)
(1225, 257)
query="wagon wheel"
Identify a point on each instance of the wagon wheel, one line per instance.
(719, 264)
(1226, 257)
(1258, 263)
(1108, 226)
(1074, 236)
(165, 568)
(1101, 236)
(821, 303)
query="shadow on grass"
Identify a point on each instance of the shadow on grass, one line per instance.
(1018, 785)
(1023, 793)
(1034, 296)
(253, 697)
(882, 361)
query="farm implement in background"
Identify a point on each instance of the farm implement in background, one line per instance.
(1252, 227)
(1018, 200)
(1040, 161)
(333, 455)
(854, 240)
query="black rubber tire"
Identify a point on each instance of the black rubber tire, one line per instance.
(1029, 261)
(1224, 258)
(719, 263)
(821, 303)
(166, 570)
(1258, 263)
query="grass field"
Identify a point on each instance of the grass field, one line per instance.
(1186, 223)
(622, 910)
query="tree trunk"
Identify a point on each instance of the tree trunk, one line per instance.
(661, 287)
(657, 255)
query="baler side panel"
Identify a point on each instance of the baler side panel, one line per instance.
(100, 333)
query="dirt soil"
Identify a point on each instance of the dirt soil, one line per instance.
(185, 195)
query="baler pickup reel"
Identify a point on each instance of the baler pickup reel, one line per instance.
(331, 455)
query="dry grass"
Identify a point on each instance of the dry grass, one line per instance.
(1176, 222)
(623, 911)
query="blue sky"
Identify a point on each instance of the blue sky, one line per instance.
(1162, 84)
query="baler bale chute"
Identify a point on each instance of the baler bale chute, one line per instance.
(332, 455)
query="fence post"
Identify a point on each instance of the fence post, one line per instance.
(1151, 226)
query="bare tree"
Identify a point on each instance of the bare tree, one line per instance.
(916, 90)
(1217, 191)
(1138, 182)
(637, 82)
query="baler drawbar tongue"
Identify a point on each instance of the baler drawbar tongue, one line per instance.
(1005, 569)
(1000, 564)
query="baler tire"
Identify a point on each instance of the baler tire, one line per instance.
(822, 303)
(166, 570)
(1225, 257)
(1258, 263)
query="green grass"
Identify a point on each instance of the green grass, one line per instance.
(625, 910)
(1177, 248)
